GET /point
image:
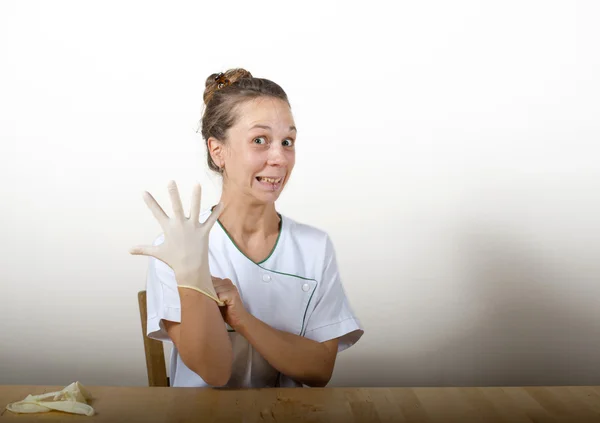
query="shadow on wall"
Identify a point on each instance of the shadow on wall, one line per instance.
(536, 323)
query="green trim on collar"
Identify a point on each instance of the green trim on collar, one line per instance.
(276, 241)
(275, 271)
(238, 248)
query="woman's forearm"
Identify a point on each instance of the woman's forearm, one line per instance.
(204, 342)
(302, 359)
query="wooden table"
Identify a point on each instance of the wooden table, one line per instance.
(345, 405)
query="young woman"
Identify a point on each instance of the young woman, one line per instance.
(248, 297)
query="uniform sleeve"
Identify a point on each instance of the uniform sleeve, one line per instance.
(162, 297)
(333, 316)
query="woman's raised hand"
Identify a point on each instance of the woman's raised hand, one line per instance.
(185, 247)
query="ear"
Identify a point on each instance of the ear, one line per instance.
(216, 151)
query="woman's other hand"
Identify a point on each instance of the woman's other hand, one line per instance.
(233, 312)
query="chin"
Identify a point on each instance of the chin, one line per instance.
(266, 195)
(268, 198)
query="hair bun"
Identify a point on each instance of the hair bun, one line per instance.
(217, 81)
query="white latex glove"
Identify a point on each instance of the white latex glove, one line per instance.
(72, 399)
(185, 248)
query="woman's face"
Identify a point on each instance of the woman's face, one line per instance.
(259, 153)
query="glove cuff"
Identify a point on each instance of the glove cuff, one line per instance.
(208, 294)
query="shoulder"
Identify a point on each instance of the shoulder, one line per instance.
(304, 231)
(309, 238)
(301, 232)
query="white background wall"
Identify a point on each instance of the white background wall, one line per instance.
(449, 148)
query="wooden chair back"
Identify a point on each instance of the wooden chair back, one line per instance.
(155, 354)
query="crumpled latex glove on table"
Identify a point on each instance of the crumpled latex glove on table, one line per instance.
(72, 399)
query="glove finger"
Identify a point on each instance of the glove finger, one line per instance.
(145, 250)
(176, 201)
(195, 204)
(156, 209)
(26, 407)
(214, 215)
(69, 407)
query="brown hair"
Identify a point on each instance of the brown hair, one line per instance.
(223, 93)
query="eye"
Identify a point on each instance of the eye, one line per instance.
(260, 138)
(290, 142)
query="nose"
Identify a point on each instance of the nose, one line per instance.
(277, 156)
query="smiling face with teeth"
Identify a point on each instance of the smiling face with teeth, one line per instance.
(258, 154)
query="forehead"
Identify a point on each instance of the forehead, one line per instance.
(264, 110)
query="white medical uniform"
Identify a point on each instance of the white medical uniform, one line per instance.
(297, 289)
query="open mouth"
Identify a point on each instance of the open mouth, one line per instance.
(268, 180)
(270, 184)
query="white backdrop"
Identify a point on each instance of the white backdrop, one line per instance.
(450, 149)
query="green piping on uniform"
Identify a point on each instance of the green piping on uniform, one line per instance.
(274, 271)
(276, 241)
(304, 318)
(238, 248)
(299, 277)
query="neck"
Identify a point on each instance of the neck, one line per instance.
(244, 219)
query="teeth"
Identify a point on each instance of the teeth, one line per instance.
(270, 180)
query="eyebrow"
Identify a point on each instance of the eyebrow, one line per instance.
(292, 128)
